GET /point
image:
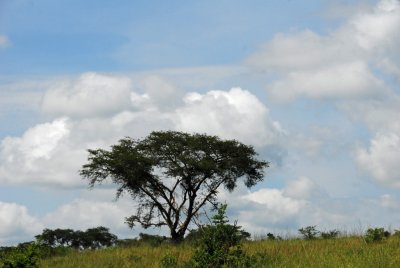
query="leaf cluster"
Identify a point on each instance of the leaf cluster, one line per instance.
(25, 255)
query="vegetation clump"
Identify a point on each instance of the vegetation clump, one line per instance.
(309, 232)
(221, 245)
(376, 235)
(92, 238)
(330, 234)
(25, 255)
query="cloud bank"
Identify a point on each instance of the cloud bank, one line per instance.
(97, 110)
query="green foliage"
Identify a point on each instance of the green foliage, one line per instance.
(376, 235)
(271, 236)
(24, 256)
(92, 238)
(197, 235)
(309, 232)
(220, 245)
(330, 234)
(172, 175)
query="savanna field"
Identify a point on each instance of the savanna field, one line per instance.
(127, 128)
(339, 252)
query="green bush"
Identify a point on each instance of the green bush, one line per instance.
(330, 234)
(271, 236)
(376, 235)
(24, 256)
(309, 232)
(220, 245)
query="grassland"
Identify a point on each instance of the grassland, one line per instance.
(339, 252)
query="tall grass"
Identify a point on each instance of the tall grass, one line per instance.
(340, 252)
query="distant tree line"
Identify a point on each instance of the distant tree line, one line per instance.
(92, 238)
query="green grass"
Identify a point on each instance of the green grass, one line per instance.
(340, 252)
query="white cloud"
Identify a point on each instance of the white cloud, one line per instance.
(379, 158)
(302, 188)
(353, 66)
(299, 51)
(82, 214)
(339, 65)
(303, 203)
(42, 156)
(230, 114)
(346, 81)
(51, 154)
(378, 29)
(91, 95)
(17, 225)
(4, 42)
(382, 158)
(276, 204)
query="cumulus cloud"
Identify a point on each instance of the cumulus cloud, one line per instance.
(83, 214)
(302, 202)
(39, 156)
(352, 66)
(17, 224)
(4, 42)
(98, 110)
(345, 81)
(340, 65)
(92, 94)
(381, 159)
(233, 114)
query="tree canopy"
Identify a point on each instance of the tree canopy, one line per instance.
(172, 175)
(92, 238)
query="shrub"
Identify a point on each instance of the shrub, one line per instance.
(376, 235)
(309, 232)
(196, 235)
(271, 236)
(220, 245)
(24, 256)
(330, 234)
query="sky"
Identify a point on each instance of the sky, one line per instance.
(312, 85)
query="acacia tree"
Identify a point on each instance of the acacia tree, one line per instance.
(172, 175)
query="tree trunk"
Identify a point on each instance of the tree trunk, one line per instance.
(176, 237)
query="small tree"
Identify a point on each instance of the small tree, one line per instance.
(309, 232)
(172, 175)
(220, 245)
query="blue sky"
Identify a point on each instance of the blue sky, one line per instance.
(313, 85)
